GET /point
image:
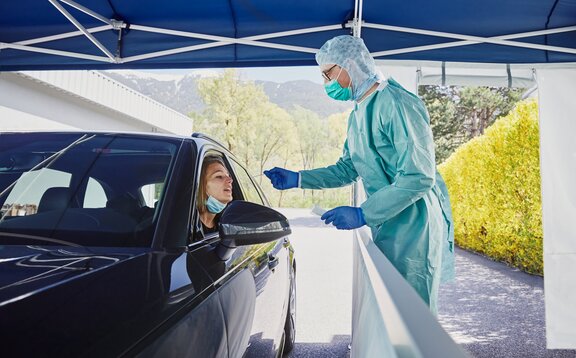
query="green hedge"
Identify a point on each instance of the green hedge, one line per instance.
(494, 185)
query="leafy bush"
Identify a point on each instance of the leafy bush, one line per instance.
(494, 185)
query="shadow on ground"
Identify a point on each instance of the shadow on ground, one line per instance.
(493, 310)
(337, 348)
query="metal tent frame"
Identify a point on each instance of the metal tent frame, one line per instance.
(356, 25)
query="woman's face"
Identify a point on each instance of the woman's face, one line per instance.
(219, 183)
(332, 71)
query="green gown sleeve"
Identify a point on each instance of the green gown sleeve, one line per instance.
(406, 127)
(340, 174)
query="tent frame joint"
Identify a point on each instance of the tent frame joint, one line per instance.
(118, 25)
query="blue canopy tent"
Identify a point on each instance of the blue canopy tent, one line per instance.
(114, 34)
(104, 34)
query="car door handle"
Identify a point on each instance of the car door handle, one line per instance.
(272, 262)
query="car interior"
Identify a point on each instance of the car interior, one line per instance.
(88, 196)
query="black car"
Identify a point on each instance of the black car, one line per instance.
(102, 253)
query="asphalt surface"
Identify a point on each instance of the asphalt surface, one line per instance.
(493, 310)
(490, 309)
(323, 286)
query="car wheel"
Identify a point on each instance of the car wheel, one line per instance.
(290, 325)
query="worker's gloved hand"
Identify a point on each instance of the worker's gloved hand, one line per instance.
(345, 217)
(282, 178)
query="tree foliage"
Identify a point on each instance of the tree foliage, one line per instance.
(263, 135)
(458, 114)
(240, 115)
(494, 185)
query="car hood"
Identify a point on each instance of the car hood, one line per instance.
(25, 270)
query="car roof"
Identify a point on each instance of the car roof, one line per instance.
(200, 139)
(123, 133)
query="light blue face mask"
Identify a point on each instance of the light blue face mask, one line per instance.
(214, 205)
(337, 92)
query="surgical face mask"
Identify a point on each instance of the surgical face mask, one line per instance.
(337, 92)
(214, 205)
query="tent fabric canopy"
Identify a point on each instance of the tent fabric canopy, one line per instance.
(114, 34)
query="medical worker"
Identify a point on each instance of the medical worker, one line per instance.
(389, 146)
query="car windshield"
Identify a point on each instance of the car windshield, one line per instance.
(85, 189)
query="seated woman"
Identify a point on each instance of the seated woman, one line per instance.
(215, 192)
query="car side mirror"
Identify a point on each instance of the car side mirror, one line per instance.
(246, 223)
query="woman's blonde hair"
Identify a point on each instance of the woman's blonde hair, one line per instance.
(202, 194)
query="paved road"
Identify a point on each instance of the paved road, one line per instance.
(493, 310)
(324, 286)
(490, 309)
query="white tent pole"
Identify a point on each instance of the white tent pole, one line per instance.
(63, 36)
(359, 19)
(477, 39)
(87, 11)
(230, 41)
(55, 52)
(465, 43)
(82, 29)
(243, 41)
(356, 23)
(227, 40)
(172, 52)
(295, 32)
(209, 45)
(302, 31)
(195, 48)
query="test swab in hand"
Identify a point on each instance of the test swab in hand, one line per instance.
(316, 209)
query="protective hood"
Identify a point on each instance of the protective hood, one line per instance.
(351, 54)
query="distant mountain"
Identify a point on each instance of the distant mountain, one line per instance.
(181, 92)
(178, 92)
(306, 94)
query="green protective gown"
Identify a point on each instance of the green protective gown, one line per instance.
(390, 147)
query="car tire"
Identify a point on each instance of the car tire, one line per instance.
(290, 324)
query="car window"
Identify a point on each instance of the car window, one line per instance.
(151, 193)
(95, 196)
(82, 188)
(247, 186)
(201, 231)
(25, 196)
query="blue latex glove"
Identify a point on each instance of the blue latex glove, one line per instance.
(282, 178)
(345, 217)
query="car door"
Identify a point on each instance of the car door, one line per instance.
(252, 280)
(194, 321)
(229, 269)
(189, 309)
(270, 269)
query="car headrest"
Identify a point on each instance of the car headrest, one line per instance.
(54, 199)
(125, 204)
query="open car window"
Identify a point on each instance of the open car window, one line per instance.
(200, 231)
(249, 190)
(85, 189)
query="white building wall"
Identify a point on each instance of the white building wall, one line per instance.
(14, 120)
(60, 100)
